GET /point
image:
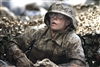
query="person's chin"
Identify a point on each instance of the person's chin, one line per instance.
(53, 29)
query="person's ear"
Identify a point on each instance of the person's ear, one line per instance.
(67, 22)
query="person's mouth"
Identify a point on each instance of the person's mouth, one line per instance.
(53, 23)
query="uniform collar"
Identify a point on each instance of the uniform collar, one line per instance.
(58, 38)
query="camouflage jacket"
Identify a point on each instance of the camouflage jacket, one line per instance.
(65, 47)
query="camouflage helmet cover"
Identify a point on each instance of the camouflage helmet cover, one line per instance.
(63, 8)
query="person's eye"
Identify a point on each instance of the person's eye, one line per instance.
(60, 16)
(51, 14)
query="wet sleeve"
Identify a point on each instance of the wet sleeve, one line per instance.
(18, 46)
(23, 41)
(75, 51)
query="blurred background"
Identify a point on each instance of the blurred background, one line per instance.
(32, 7)
(18, 16)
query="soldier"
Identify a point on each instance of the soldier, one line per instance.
(57, 41)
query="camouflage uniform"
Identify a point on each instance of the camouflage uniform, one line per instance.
(65, 49)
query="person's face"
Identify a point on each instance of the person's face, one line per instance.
(58, 21)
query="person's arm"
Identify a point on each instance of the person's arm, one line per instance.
(20, 58)
(74, 52)
(16, 48)
(19, 45)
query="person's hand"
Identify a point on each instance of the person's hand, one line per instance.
(24, 62)
(20, 58)
(74, 65)
(45, 63)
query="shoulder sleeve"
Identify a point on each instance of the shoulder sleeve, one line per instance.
(25, 39)
(74, 49)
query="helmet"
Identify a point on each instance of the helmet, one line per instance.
(63, 8)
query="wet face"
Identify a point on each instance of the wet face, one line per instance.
(58, 21)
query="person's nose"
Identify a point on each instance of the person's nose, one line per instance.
(55, 17)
